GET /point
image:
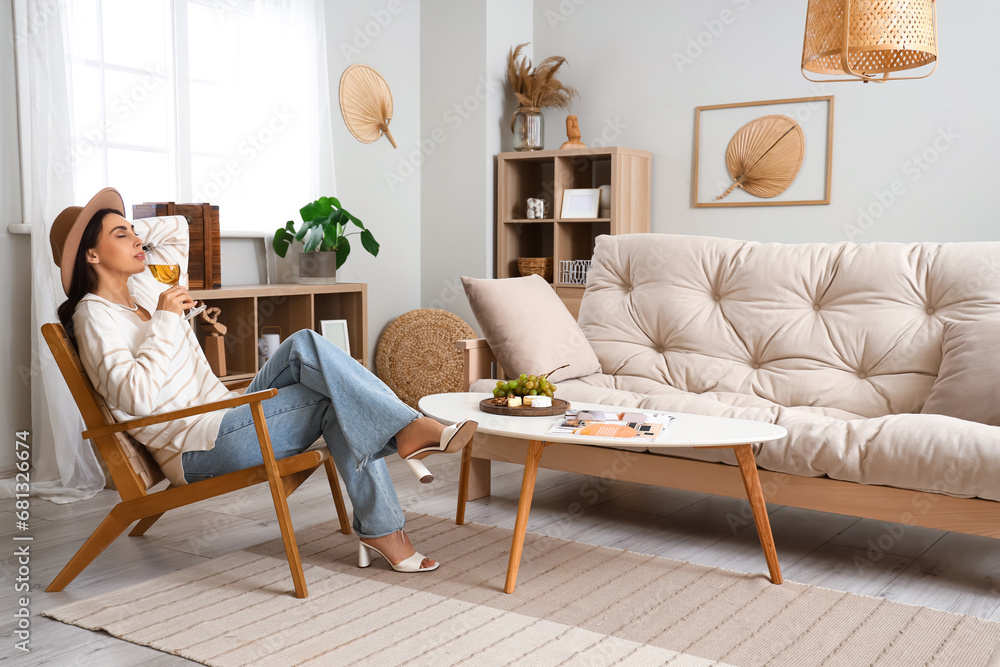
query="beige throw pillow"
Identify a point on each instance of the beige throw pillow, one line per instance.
(968, 383)
(529, 329)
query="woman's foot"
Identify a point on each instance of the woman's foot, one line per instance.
(419, 433)
(396, 547)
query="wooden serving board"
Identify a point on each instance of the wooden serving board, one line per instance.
(559, 406)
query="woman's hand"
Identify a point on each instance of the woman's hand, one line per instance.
(175, 299)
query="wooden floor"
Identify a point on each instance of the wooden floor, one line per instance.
(932, 568)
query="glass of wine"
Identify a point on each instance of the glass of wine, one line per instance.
(165, 270)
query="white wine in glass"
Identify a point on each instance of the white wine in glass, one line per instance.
(168, 274)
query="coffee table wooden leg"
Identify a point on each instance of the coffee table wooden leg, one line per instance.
(751, 482)
(463, 485)
(523, 507)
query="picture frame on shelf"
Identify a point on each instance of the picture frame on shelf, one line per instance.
(335, 331)
(581, 203)
(246, 259)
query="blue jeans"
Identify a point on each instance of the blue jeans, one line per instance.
(322, 392)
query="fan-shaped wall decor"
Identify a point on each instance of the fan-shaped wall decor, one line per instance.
(366, 103)
(764, 156)
(764, 153)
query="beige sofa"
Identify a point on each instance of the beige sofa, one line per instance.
(841, 344)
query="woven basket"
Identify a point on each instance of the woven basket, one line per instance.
(540, 265)
(416, 354)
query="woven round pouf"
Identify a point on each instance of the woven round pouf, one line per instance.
(416, 354)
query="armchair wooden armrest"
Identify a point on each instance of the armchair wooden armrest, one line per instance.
(255, 397)
(477, 360)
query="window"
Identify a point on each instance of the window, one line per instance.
(219, 101)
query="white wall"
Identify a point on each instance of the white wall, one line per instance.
(622, 60)
(453, 113)
(384, 34)
(464, 109)
(15, 258)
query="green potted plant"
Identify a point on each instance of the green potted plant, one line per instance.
(323, 235)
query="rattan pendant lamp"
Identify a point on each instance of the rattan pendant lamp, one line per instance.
(867, 40)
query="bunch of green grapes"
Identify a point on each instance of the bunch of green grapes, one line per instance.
(526, 385)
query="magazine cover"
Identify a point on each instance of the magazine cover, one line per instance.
(628, 425)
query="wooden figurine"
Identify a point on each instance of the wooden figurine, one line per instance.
(214, 341)
(573, 133)
(209, 320)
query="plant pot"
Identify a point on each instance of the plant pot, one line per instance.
(528, 126)
(317, 268)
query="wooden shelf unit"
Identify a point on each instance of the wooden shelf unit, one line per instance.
(246, 309)
(546, 175)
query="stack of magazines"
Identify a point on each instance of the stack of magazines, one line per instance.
(628, 425)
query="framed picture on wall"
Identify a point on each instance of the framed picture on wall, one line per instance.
(767, 153)
(335, 331)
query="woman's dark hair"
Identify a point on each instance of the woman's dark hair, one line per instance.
(84, 278)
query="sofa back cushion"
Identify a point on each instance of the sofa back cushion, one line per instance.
(840, 325)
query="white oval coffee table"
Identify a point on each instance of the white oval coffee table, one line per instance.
(686, 430)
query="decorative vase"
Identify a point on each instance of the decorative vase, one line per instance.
(317, 268)
(528, 126)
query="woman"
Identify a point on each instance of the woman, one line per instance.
(144, 359)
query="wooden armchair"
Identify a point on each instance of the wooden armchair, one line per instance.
(135, 472)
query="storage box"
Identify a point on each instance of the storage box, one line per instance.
(205, 255)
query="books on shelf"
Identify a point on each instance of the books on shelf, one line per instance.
(638, 426)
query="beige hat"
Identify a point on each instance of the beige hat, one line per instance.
(68, 228)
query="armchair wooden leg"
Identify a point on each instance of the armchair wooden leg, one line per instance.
(114, 524)
(338, 496)
(144, 525)
(280, 502)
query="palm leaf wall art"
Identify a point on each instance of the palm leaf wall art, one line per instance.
(366, 103)
(764, 156)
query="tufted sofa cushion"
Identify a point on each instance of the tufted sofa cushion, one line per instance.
(854, 328)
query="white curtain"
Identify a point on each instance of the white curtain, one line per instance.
(68, 154)
(64, 467)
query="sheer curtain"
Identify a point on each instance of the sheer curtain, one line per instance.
(219, 101)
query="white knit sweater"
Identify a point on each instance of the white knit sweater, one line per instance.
(144, 368)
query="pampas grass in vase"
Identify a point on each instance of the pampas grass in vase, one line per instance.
(534, 89)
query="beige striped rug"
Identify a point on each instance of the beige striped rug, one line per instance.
(575, 604)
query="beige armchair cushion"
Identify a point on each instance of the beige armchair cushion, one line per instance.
(968, 384)
(529, 328)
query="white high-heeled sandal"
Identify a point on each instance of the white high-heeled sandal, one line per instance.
(411, 564)
(453, 439)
